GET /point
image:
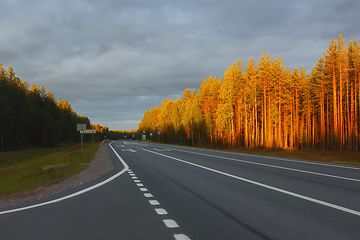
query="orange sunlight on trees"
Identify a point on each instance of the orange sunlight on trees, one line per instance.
(265, 104)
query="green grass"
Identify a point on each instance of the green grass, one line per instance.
(23, 170)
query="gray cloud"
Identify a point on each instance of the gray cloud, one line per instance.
(112, 60)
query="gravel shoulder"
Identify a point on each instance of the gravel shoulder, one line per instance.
(99, 166)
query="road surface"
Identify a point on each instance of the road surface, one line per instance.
(169, 192)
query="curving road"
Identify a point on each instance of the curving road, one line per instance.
(169, 192)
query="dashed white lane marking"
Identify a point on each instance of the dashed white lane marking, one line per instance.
(154, 202)
(126, 167)
(181, 237)
(164, 149)
(161, 211)
(170, 223)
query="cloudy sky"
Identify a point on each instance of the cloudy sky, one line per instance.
(113, 59)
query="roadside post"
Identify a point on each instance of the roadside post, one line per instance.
(81, 127)
(88, 131)
(143, 136)
(159, 136)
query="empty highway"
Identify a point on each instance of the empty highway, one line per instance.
(168, 192)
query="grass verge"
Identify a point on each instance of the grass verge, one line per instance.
(30, 169)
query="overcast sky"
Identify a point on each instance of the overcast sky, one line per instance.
(112, 60)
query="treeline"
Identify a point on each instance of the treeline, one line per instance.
(104, 132)
(267, 105)
(31, 116)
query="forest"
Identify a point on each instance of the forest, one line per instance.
(266, 105)
(32, 117)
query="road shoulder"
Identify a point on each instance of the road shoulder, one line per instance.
(99, 166)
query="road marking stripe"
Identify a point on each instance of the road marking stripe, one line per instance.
(264, 185)
(170, 223)
(140, 185)
(181, 237)
(148, 195)
(134, 177)
(154, 202)
(278, 158)
(126, 167)
(273, 166)
(143, 189)
(297, 161)
(132, 174)
(161, 211)
(137, 181)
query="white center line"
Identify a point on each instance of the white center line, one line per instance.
(137, 181)
(154, 202)
(161, 211)
(148, 195)
(140, 185)
(264, 185)
(143, 189)
(181, 237)
(274, 166)
(170, 223)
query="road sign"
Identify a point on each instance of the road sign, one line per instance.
(88, 131)
(80, 127)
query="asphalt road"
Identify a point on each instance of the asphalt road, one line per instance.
(170, 192)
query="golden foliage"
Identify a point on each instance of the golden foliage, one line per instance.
(268, 105)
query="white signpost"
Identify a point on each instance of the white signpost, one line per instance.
(87, 131)
(82, 129)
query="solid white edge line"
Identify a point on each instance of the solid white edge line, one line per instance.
(274, 166)
(275, 158)
(126, 167)
(265, 186)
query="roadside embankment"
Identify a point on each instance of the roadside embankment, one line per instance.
(99, 166)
